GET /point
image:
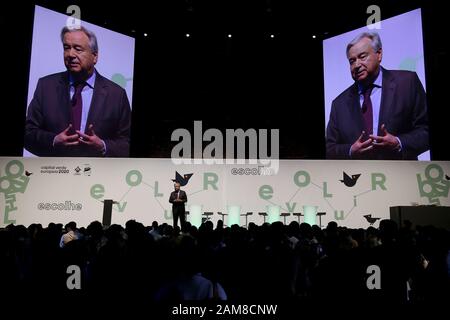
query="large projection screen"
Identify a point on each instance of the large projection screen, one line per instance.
(402, 50)
(115, 58)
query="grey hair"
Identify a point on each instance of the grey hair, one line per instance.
(91, 36)
(373, 36)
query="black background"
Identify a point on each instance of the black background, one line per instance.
(247, 81)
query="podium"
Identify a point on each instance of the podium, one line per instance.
(107, 211)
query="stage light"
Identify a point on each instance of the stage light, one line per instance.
(310, 213)
(145, 34)
(187, 35)
(229, 35)
(272, 36)
(314, 36)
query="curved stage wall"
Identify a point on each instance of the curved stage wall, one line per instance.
(43, 190)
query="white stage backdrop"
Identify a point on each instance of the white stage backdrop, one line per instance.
(63, 189)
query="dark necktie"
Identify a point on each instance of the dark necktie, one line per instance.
(77, 105)
(367, 110)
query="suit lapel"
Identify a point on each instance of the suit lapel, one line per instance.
(63, 92)
(387, 98)
(98, 99)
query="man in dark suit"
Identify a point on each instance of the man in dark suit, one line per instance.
(383, 115)
(78, 112)
(178, 198)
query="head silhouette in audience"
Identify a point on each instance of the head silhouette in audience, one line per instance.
(203, 263)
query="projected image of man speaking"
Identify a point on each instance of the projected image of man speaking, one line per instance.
(78, 112)
(383, 115)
